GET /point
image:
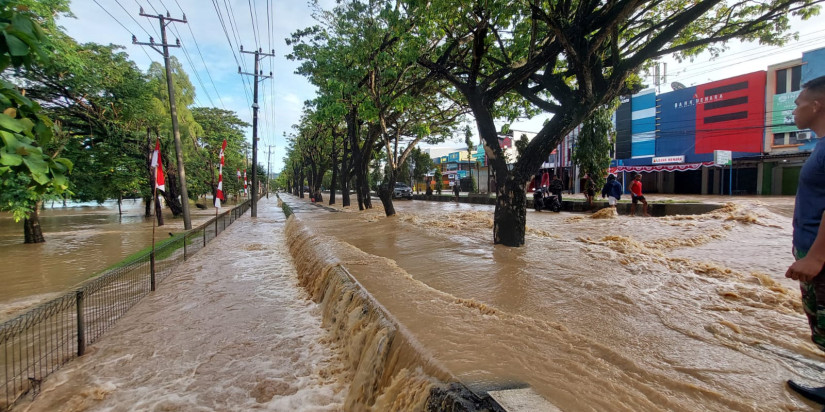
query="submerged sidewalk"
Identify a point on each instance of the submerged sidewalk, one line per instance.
(230, 329)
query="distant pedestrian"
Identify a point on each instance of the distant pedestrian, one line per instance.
(808, 222)
(545, 179)
(556, 187)
(636, 196)
(456, 190)
(613, 190)
(589, 189)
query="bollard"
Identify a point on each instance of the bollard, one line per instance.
(81, 327)
(204, 236)
(152, 271)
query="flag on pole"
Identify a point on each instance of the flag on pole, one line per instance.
(244, 183)
(219, 193)
(157, 164)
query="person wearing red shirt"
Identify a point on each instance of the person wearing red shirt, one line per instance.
(636, 195)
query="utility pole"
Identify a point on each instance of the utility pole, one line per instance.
(164, 21)
(258, 73)
(268, 176)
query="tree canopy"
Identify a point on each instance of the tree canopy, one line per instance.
(501, 60)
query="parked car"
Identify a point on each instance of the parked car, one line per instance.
(402, 190)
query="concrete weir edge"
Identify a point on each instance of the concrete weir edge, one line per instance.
(390, 369)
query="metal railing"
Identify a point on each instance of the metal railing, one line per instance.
(39, 341)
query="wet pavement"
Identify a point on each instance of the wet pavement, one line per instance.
(230, 329)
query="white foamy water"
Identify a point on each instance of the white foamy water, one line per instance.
(229, 330)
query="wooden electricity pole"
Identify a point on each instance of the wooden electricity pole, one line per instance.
(164, 21)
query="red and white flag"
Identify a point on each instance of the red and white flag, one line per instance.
(244, 183)
(219, 193)
(157, 164)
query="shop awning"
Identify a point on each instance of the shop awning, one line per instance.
(678, 167)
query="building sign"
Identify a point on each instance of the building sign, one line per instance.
(782, 116)
(453, 157)
(668, 159)
(696, 100)
(722, 157)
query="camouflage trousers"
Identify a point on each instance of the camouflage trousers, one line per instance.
(813, 302)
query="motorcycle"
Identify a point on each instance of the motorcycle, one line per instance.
(544, 200)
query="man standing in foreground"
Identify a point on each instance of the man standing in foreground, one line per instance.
(636, 196)
(808, 220)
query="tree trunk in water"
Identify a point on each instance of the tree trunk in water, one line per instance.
(120, 204)
(334, 181)
(301, 184)
(147, 206)
(510, 218)
(385, 194)
(345, 165)
(32, 231)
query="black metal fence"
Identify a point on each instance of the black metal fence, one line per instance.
(37, 342)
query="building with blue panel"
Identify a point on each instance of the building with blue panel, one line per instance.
(643, 124)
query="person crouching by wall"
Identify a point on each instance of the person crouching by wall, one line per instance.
(613, 190)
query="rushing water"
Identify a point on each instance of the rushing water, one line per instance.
(229, 330)
(622, 313)
(81, 241)
(593, 314)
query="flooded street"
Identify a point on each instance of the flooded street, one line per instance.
(683, 312)
(81, 241)
(229, 330)
(671, 313)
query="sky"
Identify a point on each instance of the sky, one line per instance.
(216, 29)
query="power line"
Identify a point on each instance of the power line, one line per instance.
(121, 25)
(197, 46)
(233, 24)
(254, 26)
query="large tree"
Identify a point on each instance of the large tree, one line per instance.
(28, 172)
(569, 58)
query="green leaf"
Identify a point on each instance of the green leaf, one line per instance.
(10, 159)
(60, 182)
(38, 168)
(9, 139)
(16, 46)
(65, 162)
(8, 123)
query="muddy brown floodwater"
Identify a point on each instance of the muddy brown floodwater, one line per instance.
(81, 241)
(622, 313)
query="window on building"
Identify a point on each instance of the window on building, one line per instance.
(781, 81)
(793, 138)
(796, 78)
(778, 139)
